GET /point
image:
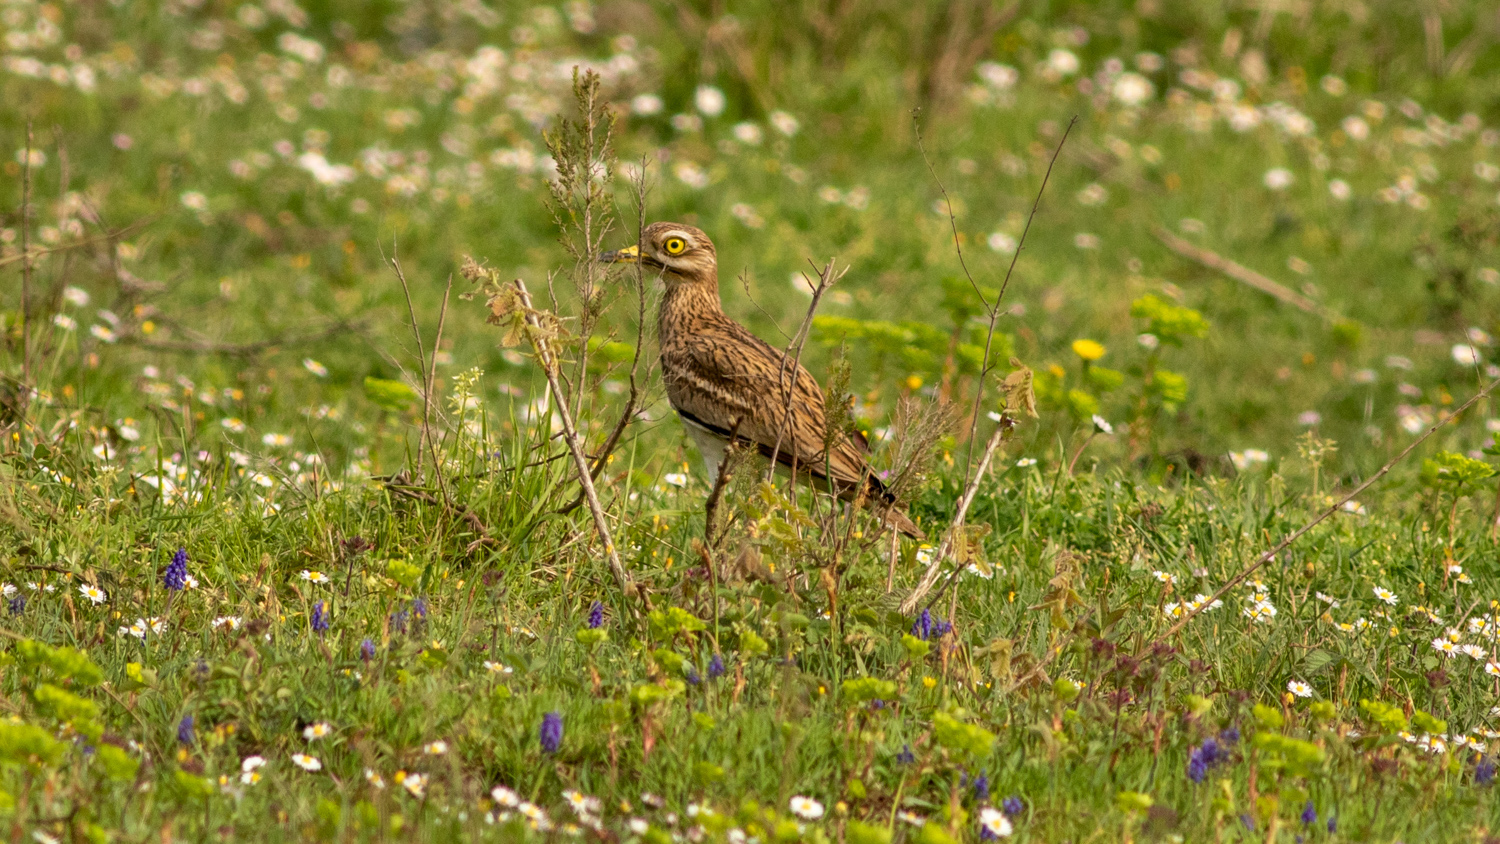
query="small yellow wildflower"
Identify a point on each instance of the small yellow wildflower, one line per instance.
(1089, 350)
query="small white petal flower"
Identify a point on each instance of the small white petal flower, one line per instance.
(806, 808)
(1464, 354)
(995, 822)
(1299, 688)
(306, 762)
(709, 100)
(1278, 178)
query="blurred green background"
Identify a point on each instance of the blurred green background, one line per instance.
(229, 173)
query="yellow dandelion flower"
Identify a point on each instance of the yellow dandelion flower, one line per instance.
(1089, 350)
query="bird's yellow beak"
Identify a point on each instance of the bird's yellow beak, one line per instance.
(628, 255)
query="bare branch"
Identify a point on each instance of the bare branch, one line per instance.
(1334, 508)
(550, 366)
(930, 576)
(416, 331)
(205, 346)
(640, 186)
(26, 261)
(994, 311)
(791, 360)
(1242, 274)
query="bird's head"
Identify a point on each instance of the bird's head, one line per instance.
(680, 252)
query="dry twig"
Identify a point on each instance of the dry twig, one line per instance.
(1242, 274)
(213, 347)
(26, 261)
(930, 576)
(971, 484)
(632, 400)
(550, 368)
(792, 360)
(1334, 508)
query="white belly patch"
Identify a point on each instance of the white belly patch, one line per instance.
(710, 445)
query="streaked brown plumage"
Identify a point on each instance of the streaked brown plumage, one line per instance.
(721, 378)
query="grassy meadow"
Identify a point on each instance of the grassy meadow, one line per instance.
(290, 529)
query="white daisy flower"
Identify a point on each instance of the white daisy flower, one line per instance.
(1299, 688)
(92, 592)
(1386, 595)
(306, 762)
(806, 808)
(995, 822)
(313, 732)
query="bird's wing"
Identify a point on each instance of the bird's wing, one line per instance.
(726, 376)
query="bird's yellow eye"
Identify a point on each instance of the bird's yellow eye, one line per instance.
(674, 246)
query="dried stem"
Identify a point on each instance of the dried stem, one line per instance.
(632, 400)
(930, 576)
(971, 484)
(550, 366)
(26, 261)
(76, 244)
(1334, 508)
(416, 332)
(792, 361)
(431, 383)
(579, 201)
(1242, 274)
(204, 346)
(992, 309)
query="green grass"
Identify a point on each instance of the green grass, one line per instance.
(221, 185)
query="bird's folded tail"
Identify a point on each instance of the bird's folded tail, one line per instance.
(900, 521)
(884, 506)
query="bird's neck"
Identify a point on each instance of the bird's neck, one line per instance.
(688, 302)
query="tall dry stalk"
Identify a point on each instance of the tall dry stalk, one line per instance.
(972, 477)
(582, 206)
